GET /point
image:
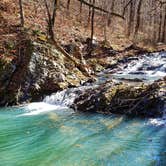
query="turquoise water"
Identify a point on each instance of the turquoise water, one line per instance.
(41, 134)
(44, 135)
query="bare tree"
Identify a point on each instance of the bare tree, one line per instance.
(144, 16)
(163, 39)
(81, 4)
(112, 10)
(89, 13)
(68, 4)
(92, 21)
(21, 13)
(138, 17)
(51, 8)
(131, 19)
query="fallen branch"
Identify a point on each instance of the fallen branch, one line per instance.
(79, 66)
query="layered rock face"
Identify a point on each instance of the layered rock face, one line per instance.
(39, 69)
(120, 98)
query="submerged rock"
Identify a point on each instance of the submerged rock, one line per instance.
(120, 98)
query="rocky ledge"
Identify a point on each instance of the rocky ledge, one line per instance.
(38, 69)
(120, 98)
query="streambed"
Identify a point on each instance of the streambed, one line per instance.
(50, 133)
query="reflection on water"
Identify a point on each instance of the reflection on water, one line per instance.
(60, 137)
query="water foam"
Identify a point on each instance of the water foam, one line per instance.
(159, 121)
(149, 68)
(65, 97)
(40, 108)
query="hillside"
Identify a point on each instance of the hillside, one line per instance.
(70, 25)
(20, 45)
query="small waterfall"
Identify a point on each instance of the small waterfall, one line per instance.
(147, 68)
(66, 97)
(63, 98)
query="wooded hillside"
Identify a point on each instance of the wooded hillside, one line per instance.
(119, 21)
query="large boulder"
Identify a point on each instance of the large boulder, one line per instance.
(39, 69)
(120, 98)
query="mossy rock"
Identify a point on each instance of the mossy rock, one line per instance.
(121, 98)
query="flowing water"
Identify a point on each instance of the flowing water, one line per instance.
(147, 68)
(50, 134)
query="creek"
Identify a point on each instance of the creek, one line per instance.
(50, 133)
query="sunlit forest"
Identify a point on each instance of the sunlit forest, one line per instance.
(83, 82)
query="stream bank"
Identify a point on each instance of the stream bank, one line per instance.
(36, 69)
(40, 68)
(135, 87)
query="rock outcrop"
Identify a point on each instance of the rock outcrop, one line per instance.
(39, 69)
(120, 98)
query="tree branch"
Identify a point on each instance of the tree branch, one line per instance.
(124, 10)
(100, 9)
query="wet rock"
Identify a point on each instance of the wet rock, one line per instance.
(89, 81)
(133, 58)
(137, 72)
(41, 70)
(96, 64)
(135, 47)
(120, 98)
(154, 67)
(131, 80)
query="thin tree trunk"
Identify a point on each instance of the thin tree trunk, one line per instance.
(21, 13)
(81, 3)
(160, 26)
(105, 31)
(164, 28)
(92, 22)
(89, 15)
(92, 28)
(138, 17)
(51, 18)
(131, 19)
(112, 10)
(54, 12)
(68, 4)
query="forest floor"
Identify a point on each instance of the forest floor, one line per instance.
(32, 69)
(70, 26)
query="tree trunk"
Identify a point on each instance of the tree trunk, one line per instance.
(138, 19)
(81, 3)
(21, 13)
(92, 28)
(51, 18)
(92, 21)
(54, 12)
(131, 19)
(160, 26)
(164, 27)
(112, 10)
(89, 14)
(68, 4)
